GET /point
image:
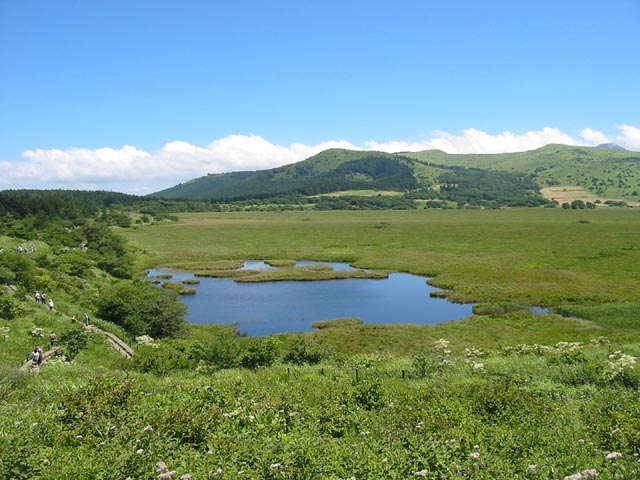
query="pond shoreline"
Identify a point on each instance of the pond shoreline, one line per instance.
(269, 300)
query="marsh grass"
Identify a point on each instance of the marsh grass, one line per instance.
(337, 323)
(311, 273)
(540, 257)
(187, 291)
(281, 263)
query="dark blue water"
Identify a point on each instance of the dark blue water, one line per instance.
(267, 308)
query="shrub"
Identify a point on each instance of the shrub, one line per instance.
(143, 309)
(73, 341)
(226, 352)
(10, 307)
(303, 351)
(262, 352)
(161, 361)
(368, 394)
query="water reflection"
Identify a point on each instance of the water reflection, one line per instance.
(292, 306)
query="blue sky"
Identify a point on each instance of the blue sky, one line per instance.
(138, 95)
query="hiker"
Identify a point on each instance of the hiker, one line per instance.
(86, 320)
(52, 339)
(37, 296)
(43, 298)
(50, 304)
(35, 356)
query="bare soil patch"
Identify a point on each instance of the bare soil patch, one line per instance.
(569, 193)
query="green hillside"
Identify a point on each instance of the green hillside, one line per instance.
(195, 188)
(329, 171)
(432, 176)
(603, 171)
(339, 170)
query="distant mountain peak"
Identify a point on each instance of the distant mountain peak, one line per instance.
(612, 146)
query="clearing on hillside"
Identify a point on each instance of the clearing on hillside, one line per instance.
(569, 193)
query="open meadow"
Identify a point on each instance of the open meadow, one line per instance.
(536, 256)
(501, 395)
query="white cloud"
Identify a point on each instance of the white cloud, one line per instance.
(477, 141)
(132, 170)
(630, 137)
(129, 169)
(594, 137)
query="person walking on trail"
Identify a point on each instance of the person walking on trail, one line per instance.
(37, 296)
(35, 356)
(53, 339)
(50, 304)
(43, 298)
(86, 320)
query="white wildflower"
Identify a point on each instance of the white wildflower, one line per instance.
(575, 476)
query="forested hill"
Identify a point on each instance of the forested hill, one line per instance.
(330, 171)
(59, 204)
(602, 171)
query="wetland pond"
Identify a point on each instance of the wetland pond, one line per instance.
(266, 308)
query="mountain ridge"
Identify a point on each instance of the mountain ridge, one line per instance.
(603, 171)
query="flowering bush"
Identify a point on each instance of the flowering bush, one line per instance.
(146, 341)
(36, 332)
(619, 366)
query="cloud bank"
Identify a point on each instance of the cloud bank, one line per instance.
(132, 170)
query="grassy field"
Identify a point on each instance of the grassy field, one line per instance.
(502, 395)
(535, 256)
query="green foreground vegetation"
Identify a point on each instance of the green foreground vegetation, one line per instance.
(504, 394)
